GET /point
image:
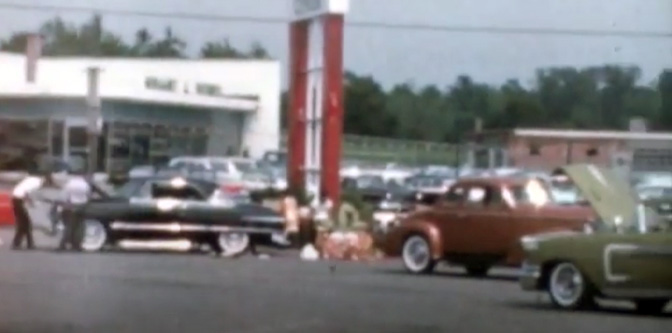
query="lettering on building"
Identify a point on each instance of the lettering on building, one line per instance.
(155, 83)
(208, 89)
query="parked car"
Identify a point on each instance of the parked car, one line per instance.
(658, 198)
(429, 188)
(169, 207)
(626, 254)
(479, 223)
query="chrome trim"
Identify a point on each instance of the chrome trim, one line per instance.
(609, 250)
(179, 227)
(631, 250)
(264, 219)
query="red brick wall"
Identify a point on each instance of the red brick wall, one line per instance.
(553, 152)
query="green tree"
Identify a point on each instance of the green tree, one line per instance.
(665, 90)
(257, 51)
(170, 46)
(221, 49)
(365, 112)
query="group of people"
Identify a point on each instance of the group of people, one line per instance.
(72, 195)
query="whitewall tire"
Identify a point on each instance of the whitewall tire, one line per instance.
(94, 236)
(233, 243)
(417, 255)
(569, 288)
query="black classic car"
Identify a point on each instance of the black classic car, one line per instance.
(429, 188)
(176, 208)
(379, 194)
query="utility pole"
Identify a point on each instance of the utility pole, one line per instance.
(94, 116)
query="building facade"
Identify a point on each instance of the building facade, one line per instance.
(546, 149)
(152, 109)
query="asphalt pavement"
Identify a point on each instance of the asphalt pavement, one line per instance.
(43, 291)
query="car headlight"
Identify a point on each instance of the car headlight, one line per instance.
(529, 243)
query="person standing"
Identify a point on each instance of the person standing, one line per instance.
(76, 192)
(22, 196)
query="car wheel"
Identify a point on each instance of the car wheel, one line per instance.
(94, 236)
(233, 243)
(417, 255)
(569, 288)
(650, 306)
(477, 270)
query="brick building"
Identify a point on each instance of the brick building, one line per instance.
(544, 149)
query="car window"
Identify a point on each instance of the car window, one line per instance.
(534, 193)
(145, 191)
(481, 195)
(220, 166)
(244, 167)
(476, 194)
(456, 194)
(130, 188)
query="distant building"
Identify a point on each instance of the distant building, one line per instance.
(545, 149)
(152, 108)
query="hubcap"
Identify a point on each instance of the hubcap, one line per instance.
(416, 253)
(567, 284)
(233, 242)
(94, 236)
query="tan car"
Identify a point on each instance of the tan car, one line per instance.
(479, 223)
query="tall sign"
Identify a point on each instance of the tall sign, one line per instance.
(94, 116)
(316, 96)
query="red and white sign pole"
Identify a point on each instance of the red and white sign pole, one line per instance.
(316, 96)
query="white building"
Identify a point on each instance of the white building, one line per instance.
(151, 108)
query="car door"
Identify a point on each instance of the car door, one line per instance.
(484, 223)
(448, 215)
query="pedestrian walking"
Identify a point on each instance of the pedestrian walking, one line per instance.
(22, 196)
(76, 193)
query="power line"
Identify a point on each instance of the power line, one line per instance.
(357, 24)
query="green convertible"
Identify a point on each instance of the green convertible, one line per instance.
(627, 254)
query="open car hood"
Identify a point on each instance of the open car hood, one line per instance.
(610, 196)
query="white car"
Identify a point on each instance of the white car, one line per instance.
(226, 168)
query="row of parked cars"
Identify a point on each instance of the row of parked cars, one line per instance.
(578, 233)
(607, 242)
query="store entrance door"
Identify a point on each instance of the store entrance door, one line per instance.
(75, 144)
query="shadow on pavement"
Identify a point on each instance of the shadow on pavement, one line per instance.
(548, 307)
(458, 275)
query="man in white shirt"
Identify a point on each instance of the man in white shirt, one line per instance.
(21, 196)
(76, 193)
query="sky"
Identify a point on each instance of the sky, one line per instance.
(414, 56)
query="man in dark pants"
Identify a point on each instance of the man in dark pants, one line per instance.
(77, 191)
(21, 196)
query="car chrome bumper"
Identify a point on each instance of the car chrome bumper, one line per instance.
(530, 277)
(177, 227)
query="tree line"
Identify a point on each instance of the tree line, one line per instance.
(599, 97)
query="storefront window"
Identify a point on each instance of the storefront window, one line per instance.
(23, 144)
